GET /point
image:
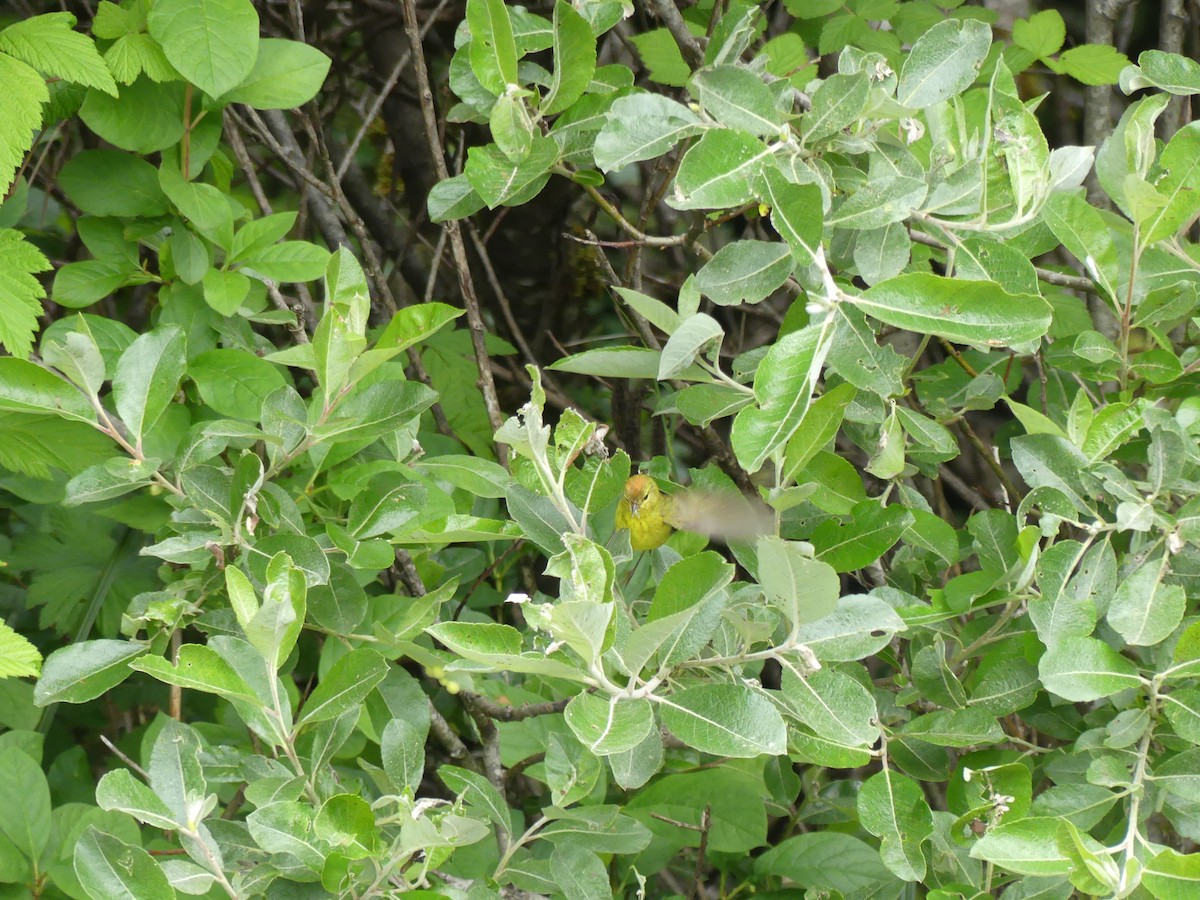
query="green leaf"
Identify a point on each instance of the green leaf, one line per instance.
(580, 873)
(944, 62)
(1170, 875)
(1041, 34)
(1047, 461)
(719, 170)
(109, 867)
(725, 720)
(642, 126)
(836, 105)
(235, 383)
(20, 114)
(286, 74)
(48, 44)
(737, 98)
(224, 291)
(1179, 186)
(289, 262)
(574, 59)
(1093, 64)
(78, 285)
(199, 668)
(135, 54)
(477, 792)
(856, 355)
(571, 771)
(20, 291)
(834, 705)
(147, 376)
(81, 672)
(1082, 669)
(175, 772)
(119, 790)
(805, 589)
(661, 57)
(146, 118)
(204, 205)
(826, 860)
(212, 43)
(818, 427)
(402, 751)
(858, 627)
(1168, 72)
(501, 181)
(871, 531)
(745, 271)
(110, 183)
(377, 410)
(956, 728)
(288, 827)
(880, 202)
(113, 478)
(1082, 230)
(614, 362)
(493, 50)
(654, 311)
(259, 234)
(892, 807)
(18, 657)
(795, 213)
(25, 797)
(783, 386)
(606, 726)
(453, 198)
(1026, 846)
(1145, 611)
(498, 646)
(969, 312)
(699, 333)
(345, 685)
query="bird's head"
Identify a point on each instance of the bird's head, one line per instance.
(638, 490)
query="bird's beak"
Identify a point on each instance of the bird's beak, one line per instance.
(633, 507)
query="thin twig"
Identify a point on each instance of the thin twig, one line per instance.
(440, 729)
(384, 91)
(667, 13)
(500, 713)
(457, 247)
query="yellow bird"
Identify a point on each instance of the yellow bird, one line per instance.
(646, 512)
(651, 516)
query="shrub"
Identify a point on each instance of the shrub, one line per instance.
(330, 623)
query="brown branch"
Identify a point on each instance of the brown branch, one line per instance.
(457, 247)
(501, 713)
(1102, 18)
(667, 13)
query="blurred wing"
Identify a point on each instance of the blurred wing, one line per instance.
(720, 514)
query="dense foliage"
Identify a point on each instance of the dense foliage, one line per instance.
(322, 597)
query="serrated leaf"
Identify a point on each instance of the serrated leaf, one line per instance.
(18, 657)
(20, 114)
(49, 44)
(20, 291)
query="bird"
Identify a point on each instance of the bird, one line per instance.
(653, 516)
(646, 511)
